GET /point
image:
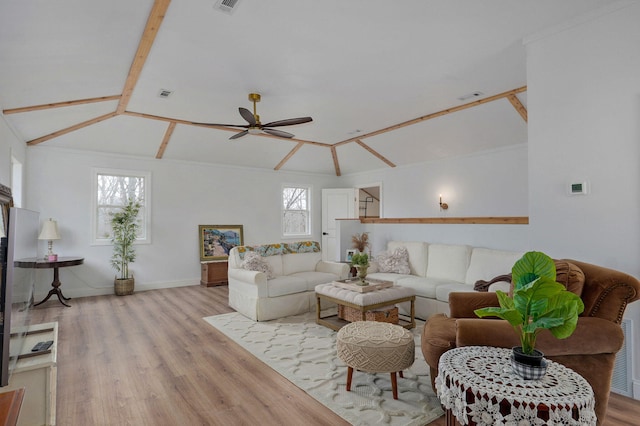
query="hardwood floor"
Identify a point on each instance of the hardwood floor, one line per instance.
(150, 359)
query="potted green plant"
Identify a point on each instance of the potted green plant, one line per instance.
(360, 261)
(124, 229)
(538, 302)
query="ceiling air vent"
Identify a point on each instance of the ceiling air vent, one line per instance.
(164, 93)
(226, 6)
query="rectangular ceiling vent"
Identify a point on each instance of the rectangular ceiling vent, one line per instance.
(471, 96)
(164, 93)
(226, 6)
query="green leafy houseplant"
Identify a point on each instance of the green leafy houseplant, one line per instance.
(361, 262)
(124, 227)
(538, 302)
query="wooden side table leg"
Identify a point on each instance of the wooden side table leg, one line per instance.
(349, 377)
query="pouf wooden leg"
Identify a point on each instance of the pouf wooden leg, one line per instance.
(394, 385)
(349, 377)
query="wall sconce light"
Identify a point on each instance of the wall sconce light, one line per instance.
(443, 206)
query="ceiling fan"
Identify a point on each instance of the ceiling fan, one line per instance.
(255, 127)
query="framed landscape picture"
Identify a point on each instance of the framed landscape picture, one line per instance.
(217, 240)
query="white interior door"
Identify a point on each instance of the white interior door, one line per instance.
(336, 204)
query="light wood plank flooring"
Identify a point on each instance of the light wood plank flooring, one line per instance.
(150, 359)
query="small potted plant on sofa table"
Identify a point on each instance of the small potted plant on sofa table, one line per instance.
(538, 302)
(360, 261)
(124, 227)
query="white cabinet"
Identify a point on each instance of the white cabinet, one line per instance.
(38, 375)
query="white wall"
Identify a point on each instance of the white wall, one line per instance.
(183, 197)
(9, 145)
(584, 123)
(492, 183)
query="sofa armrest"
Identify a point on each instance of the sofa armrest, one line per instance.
(337, 268)
(249, 282)
(592, 336)
(463, 304)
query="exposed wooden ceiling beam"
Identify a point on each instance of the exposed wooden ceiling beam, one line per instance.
(165, 140)
(289, 155)
(71, 129)
(60, 104)
(144, 47)
(518, 106)
(375, 153)
(435, 114)
(336, 163)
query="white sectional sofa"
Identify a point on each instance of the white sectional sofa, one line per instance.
(439, 269)
(296, 269)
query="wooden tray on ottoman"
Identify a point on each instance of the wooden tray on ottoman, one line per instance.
(386, 314)
(374, 284)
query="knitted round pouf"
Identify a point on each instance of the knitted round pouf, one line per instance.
(376, 347)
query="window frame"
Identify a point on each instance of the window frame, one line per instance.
(146, 175)
(309, 189)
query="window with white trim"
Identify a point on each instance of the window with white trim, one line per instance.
(113, 189)
(296, 211)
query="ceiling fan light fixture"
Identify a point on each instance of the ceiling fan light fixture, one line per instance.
(254, 130)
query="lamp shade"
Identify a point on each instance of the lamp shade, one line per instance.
(49, 230)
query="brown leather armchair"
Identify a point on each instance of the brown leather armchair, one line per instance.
(590, 350)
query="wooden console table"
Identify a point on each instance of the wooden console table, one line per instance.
(55, 264)
(213, 273)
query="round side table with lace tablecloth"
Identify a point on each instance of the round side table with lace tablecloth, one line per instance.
(477, 386)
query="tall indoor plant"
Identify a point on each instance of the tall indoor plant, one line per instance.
(538, 302)
(124, 228)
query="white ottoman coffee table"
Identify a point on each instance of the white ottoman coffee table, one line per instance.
(363, 302)
(376, 347)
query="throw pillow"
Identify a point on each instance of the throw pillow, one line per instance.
(396, 261)
(482, 285)
(254, 262)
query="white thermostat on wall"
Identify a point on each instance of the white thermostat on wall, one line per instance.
(578, 188)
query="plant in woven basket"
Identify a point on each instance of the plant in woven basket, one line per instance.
(124, 226)
(360, 241)
(538, 302)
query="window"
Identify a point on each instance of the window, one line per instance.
(296, 211)
(114, 189)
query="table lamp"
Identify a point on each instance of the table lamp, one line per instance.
(50, 232)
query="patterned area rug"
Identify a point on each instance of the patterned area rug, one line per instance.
(305, 353)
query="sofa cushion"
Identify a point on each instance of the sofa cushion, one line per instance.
(424, 287)
(254, 262)
(283, 285)
(485, 264)
(396, 261)
(300, 262)
(448, 261)
(417, 255)
(442, 291)
(312, 279)
(387, 276)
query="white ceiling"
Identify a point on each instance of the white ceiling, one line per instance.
(354, 66)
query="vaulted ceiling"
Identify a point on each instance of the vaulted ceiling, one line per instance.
(385, 87)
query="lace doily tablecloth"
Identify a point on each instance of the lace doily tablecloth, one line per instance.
(478, 385)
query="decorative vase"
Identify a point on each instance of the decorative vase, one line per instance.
(528, 366)
(123, 286)
(362, 273)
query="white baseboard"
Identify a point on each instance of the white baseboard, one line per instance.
(100, 291)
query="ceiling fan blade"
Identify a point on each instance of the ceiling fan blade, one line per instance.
(247, 115)
(220, 125)
(239, 135)
(278, 133)
(289, 122)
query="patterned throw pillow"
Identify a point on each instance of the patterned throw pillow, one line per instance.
(396, 261)
(254, 262)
